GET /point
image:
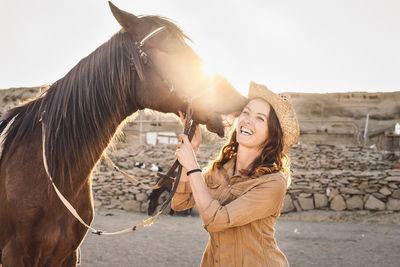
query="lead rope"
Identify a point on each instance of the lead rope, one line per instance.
(126, 175)
(189, 125)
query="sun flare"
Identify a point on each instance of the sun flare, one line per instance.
(207, 69)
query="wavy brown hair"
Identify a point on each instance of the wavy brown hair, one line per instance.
(272, 158)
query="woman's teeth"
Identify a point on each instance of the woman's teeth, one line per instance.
(246, 131)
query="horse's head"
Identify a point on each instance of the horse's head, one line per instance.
(170, 72)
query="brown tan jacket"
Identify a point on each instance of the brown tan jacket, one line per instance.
(240, 219)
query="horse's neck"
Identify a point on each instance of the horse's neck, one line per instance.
(91, 135)
(107, 129)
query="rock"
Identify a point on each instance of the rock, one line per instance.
(115, 202)
(287, 204)
(324, 181)
(144, 207)
(133, 190)
(351, 191)
(131, 205)
(393, 179)
(297, 205)
(321, 201)
(333, 193)
(306, 203)
(371, 190)
(305, 195)
(343, 181)
(379, 196)
(393, 204)
(393, 185)
(393, 172)
(103, 169)
(338, 203)
(355, 203)
(142, 197)
(385, 191)
(97, 204)
(396, 194)
(363, 185)
(374, 204)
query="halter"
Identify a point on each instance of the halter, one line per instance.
(144, 58)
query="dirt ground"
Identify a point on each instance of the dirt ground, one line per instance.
(315, 238)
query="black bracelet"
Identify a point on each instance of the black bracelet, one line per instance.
(192, 171)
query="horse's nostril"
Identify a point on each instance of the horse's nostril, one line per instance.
(227, 120)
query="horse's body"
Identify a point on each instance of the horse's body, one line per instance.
(81, 112)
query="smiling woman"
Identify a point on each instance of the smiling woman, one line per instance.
(240, 196)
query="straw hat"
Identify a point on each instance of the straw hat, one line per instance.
(283, 109)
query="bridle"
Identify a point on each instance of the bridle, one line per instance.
(189, 130)
(145, 59)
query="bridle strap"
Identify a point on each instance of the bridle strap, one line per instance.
(190, 128)
(150, 35)
(133, 86)
(164, 178)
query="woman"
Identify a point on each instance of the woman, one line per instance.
(240, 197)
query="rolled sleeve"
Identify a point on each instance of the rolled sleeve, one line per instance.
(259, 202)
(209, 213)
(183, 198)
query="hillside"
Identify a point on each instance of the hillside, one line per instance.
(324, 118)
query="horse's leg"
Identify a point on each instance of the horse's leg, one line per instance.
(71, 260)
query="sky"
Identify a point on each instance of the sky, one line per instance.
(314, 46)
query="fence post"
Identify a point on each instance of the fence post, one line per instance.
(366, 130)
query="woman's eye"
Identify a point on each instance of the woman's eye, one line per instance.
(260, 118)
(245, 112)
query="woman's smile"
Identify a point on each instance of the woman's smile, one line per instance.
(246, 131)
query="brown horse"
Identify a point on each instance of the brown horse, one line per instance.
(81, 112)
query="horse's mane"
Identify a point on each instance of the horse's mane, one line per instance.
(80, 110)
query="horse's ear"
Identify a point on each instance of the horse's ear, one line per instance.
(125, 19)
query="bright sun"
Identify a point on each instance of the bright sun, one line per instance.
(208, 69)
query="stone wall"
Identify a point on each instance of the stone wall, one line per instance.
(342, 178)
(324, 177)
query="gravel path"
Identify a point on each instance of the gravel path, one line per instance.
(180, 241)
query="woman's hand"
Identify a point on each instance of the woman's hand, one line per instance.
(196, 140)
(185, 153)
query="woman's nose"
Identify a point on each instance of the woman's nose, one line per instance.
(247, 121)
